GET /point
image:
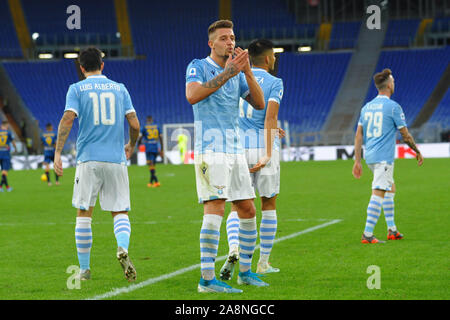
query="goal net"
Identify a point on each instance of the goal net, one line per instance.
(178, 141)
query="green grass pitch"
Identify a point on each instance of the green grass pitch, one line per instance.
(37, 237)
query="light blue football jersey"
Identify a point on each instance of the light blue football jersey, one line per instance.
(380, 119)
(216, 117)
(251, 121)
(101, 105)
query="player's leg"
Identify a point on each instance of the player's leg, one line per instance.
(388, 208)
(153, 171)
(227, 270)
(247, 242)
(6, 165)
(4, 174)
(267, 232)
(85, 190)
(233, 230)
(83, 240)
(209, 243)
(114, 196)
(122, 232)
(47, 171)
(267, 182)
(379, 186)
(212, 176)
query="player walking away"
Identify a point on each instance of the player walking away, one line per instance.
(379, 120)
(48, 139)
(101, 106)
(151, 135)
(257, 129)
(213, 88)
(6, 139)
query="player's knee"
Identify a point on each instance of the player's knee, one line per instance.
(268, 203)
(246, 209)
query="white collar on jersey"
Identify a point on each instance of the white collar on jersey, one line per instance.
(382, 96)
(211, 61)
(97, 76)
(258, 69)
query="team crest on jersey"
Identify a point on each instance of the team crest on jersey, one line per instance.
(192, 71)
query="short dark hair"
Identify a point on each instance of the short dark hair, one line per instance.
(219, 24)
(381, 78)
(257, 49)
(91, 59)
(48, 125)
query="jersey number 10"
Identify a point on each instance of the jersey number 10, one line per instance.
(374, 124)
(107, 121)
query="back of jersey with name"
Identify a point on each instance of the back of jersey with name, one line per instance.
(101, 105)
(380, 119)
(251, 121)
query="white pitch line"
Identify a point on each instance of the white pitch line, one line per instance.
(151, 281)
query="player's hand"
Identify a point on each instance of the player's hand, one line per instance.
(57, 165)
(161, 153)
(129, 150)
(261, 164)
(236, 64)
(246, 67)
(419, 158)
(357, 170)
(281, 133)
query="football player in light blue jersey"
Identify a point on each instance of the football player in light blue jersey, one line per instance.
(377, 127)
(213, 87)
(6, 139)
(48, 139)
(265, 168)
(101, 106)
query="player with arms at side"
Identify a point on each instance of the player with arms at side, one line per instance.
(213, 87)
(101, 106)
(6, 139)
(151, 135)
(48, 139)
(258, 130)
(377, 126)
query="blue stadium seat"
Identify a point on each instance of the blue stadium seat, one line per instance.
(9, 44)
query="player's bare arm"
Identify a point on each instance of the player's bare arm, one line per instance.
(161, 153)
(196, 92)
(270, 132)
(65, 125)
(409, 140)
(134, 125)
(357, 168)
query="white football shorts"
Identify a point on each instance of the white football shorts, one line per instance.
(222, 176)
(383, 175)
(110, 180)
(267, 180)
